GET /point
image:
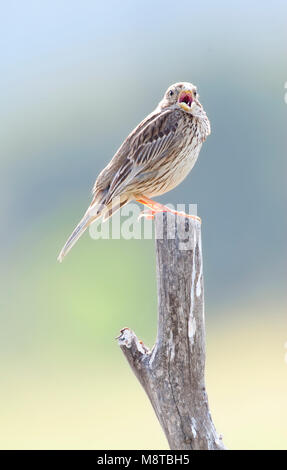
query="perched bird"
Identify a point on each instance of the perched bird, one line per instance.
(154, 158)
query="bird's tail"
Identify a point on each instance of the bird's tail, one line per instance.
(79, 230)
(95, 211)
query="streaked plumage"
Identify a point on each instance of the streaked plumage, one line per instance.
(154, 158)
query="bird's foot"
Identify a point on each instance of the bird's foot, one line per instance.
(147, 214)
(183, 214)
(155, 207)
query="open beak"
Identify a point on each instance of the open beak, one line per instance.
(185, 100)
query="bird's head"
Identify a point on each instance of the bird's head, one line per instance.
(182, 95)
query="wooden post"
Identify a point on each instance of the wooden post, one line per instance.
(172, 373)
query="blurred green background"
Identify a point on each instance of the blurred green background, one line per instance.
(75, 78)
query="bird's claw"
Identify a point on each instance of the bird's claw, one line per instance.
(189, 216)
(147, 214)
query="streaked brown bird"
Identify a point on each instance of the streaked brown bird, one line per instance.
(154, 158)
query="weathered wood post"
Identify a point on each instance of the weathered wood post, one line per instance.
(172, 373)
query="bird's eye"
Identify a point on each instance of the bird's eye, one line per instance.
(194, 93)
(171, 92)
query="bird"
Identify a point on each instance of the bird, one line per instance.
(155, 158)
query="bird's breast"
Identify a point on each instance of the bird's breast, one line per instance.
(175, 171)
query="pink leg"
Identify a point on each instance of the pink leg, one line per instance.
(157, 207)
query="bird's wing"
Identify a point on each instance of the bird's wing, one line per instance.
(143, 149)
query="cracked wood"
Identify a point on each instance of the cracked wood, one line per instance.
(173, 372)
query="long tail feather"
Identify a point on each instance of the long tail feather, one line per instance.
(79, 230)
(95, 211)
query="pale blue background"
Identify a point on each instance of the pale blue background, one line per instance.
(75, 78)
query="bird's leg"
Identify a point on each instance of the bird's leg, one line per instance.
(157, 207)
